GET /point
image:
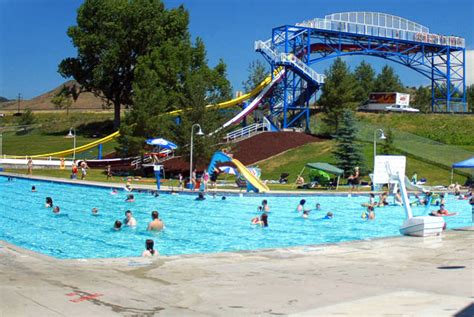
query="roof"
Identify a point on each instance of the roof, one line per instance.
(328, 168)
(469, 163)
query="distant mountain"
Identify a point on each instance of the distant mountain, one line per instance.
(3, 99)
(86, 101)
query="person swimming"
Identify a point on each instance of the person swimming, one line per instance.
(95, 211)
(300, 207)
(149, 251)
(305, 214)
(49, 202)
(56, 210)
(369, 214)
(200, 196)
(129, 219)
(442, 212)
(318, 206)
(114, 192)
(329, 215)
(156, 224)
(371, 201)
(398, 198)
(130, 198)
(265, 206)
(117, 225)
(223, 198)
(33, 188)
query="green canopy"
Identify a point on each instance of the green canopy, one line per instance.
(325, 167)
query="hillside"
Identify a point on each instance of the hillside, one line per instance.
(86, 101)
(3, 99)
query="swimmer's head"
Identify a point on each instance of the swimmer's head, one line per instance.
(329, 214)
(33, 188)
(200, 195)
(372, 195)
(128, 214)
(56, 210)
(117, 224)
(149, 244)
(154, 214)
(264, 219)
(95, 210)
(264, 202)
(223, 198)
(302, 202)
(318, 206)
(370, 208)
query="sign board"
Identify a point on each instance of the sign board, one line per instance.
(386, 164)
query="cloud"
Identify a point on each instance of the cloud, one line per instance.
(469, 67)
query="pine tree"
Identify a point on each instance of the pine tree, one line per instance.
(388, 81)
(364, 74)
(257, 72)
(337, 93)
(387, 145)
(422, 99)
(347, 152)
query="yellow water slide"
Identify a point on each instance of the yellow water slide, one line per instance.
(225, 104)
(251, 178)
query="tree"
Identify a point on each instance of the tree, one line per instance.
(422, 99)
(175, 76)
(257, 72)
(364, 74)
(388, 81)
(387, 145)
(347, 152)
(337, 93)
(470, 97)
(110, 37)
(62, 99)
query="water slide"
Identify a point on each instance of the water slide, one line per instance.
(265, 86)
(221, 157)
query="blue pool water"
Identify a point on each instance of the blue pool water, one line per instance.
(192, 226)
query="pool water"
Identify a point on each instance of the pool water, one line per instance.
(213, 225)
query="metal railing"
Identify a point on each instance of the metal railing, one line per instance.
(288, 58)
(247, 131)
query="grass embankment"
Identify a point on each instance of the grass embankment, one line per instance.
(293, 161)
(50, 131)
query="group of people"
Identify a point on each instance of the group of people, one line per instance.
(75, 169)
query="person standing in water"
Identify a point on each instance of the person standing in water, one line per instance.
(149, 251)
(156, 224)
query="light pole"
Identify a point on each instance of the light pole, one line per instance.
(191, 154)
(382, 137)
(72, 135)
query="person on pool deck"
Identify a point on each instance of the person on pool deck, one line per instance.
(117, 225)
(300, 207)
(329, 215)
(129, 219)
(56, 210)
(84, 168)
(265, 206)
(33, 188)
(353, 179)
(95, 211)
(150, 251)
(49, 202)
(156, 224)
(130, 198)
(200, 196)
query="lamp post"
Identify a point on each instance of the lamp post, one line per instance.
(72, 135)
(200, 133)
(382, 137)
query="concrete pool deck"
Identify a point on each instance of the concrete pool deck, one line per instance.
(402, 276)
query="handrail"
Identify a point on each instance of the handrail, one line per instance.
(247, 131)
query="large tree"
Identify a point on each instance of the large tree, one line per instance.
(470, 97)
(347, 152)
(337, 93)
(388, 81)
(257, 72)
(364, 74)
(110, 37)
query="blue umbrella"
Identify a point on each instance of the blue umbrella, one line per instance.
(162, 143)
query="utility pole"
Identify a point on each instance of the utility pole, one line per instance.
(19, 100)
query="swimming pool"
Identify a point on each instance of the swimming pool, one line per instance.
(192, 226)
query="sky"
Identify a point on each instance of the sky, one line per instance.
(33, 36)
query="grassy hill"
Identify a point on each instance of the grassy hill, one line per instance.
(86, 101)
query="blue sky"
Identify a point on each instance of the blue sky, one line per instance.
(33, 36)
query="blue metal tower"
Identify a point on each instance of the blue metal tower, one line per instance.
(296, 47)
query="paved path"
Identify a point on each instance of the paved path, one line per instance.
(401, 276)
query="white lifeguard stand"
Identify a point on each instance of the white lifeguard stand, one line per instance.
(390, 169)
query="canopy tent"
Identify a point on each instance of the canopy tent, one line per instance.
(324, 168)
(469, 163)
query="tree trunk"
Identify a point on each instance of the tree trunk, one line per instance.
(116, 115)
